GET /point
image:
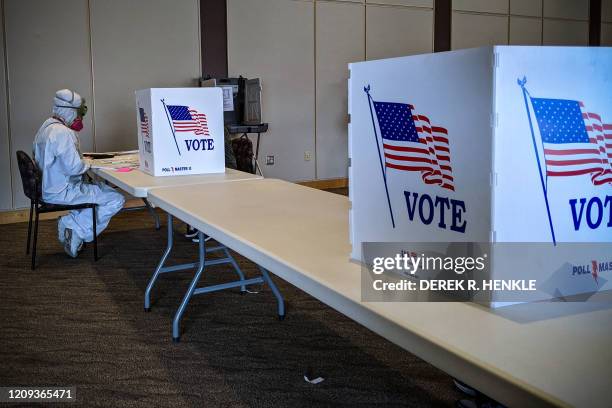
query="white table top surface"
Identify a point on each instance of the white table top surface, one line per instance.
(138, 183)
(523, 355)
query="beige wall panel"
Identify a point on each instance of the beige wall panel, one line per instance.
(476, 30)
(415, 3)
(525, 31)
(46, 50)
(563, 32)
(482, 6)
(279, 49)
(606, 34)
(339, 40)
(397, 31)
(606, 11)
(573, 9)
(526, 7)
(139, 44)
(6, 193)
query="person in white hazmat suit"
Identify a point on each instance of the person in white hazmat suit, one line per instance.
(57, 153)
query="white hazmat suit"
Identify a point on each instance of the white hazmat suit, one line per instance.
(56, 151)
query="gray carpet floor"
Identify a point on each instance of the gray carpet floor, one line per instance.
(73, 322)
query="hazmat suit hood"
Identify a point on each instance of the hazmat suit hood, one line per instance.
(65, 105)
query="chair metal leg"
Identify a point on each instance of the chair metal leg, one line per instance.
(30, 226)
(95, 233)
(35, 239)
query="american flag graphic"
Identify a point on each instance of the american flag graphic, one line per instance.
(144, 122)
(411, 143)
(575, 141)
(186, 119)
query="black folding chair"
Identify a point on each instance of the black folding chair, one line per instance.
(31, 178)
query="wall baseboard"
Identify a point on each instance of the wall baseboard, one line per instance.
(325, 184)
(13, 216)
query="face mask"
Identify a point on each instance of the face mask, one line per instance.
(77, 124)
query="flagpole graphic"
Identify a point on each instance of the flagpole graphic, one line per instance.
(382, 168)
(171, 127)
(521, 83)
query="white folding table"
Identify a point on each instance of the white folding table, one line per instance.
(138, 183)
(552, 354)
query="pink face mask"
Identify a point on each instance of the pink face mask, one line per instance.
(77, 124)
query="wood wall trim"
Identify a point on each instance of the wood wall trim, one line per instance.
(325, 184)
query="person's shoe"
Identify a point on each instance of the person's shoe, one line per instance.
(72, 243)
(466, 403)
(191, 233)
(478, 403)
(60, 230)
(464, 388)
(196, 239)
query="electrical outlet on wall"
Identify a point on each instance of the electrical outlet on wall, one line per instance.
(269, 160)
(307, 155)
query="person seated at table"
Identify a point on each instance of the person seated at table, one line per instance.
(57, 154)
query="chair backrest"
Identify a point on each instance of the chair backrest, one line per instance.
(31, 176)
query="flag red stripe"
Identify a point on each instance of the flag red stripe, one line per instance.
(570, 152)
(407, 158)
(439, 129)
(572, 162)
(407, 168)
(440, 139)
(572, 172)
(405, 149)
(594, 116)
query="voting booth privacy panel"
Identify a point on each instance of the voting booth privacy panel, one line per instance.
(180, 131)
(495, 144)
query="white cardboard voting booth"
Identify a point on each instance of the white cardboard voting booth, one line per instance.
(495, 144)
(180, 131)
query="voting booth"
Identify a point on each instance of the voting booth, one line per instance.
(180, 131)
(489, 145)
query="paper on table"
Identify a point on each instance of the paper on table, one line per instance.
(114, 163)
(119, 153)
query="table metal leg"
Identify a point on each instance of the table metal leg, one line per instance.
(152, 212)
(201, 265)
(257, 166)
(147, 300)
(236, 268)
(192, 286)
(277, 294)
